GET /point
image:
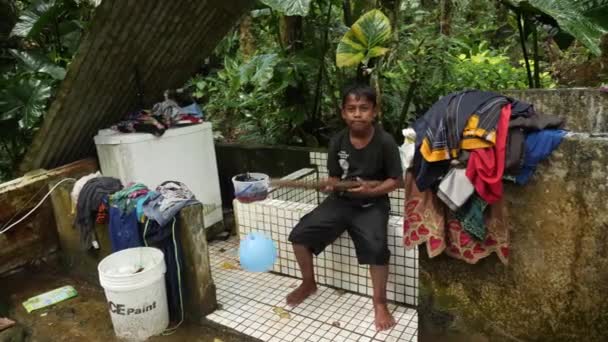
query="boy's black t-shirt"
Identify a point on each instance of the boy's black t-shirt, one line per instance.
(379, 160)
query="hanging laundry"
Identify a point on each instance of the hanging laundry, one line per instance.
(455, 189)
(124, 222)
(485, 168)
(125, 200)
(103, 212)
(460, 211)
(471, 217)
(462, 246)
(139, 207)
(406, 151)
(78, 188)
(448, 118)
(518, 128)
(427, 221)
(464, 120)
(539, 146)
(124, 229)
(167, 239)
(170, 198)
(89, 199)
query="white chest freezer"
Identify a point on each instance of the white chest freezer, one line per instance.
(183, 154)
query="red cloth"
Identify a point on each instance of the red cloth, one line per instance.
(486, 166)
(102, 214)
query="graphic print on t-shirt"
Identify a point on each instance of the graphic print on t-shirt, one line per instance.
(343, 161)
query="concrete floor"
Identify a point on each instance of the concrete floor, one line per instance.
(84, 318)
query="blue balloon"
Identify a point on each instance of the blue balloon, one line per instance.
(257, 253)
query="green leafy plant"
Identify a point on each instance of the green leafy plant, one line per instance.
(289, 7)
(43, 41)
(586, 21)
(364, 40)
(489, 70)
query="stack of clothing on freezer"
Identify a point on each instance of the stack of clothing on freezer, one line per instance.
(465, 146)
(137, 217)
(176, 110)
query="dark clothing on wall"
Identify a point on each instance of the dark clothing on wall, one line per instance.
(441, 129)
(162, 238)
(91, 196)
(518, 128)
(539, 146)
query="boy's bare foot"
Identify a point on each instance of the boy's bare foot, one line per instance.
(303, 291)
(384, 319)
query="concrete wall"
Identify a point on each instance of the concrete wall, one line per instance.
(555, 286)
(585, 109)
(35, 237)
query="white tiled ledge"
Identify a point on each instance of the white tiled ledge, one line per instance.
(337, 266)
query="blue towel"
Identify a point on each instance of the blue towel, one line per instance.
(124, 230)
(539, 146)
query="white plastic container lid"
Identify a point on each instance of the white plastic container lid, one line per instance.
(112, 137)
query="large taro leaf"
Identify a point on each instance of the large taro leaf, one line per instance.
(35, 18)
(38, 63)
(259, 70)
(25, 100)
(364, 40)
(290, 7)
(584, 20)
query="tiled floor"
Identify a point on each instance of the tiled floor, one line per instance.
(254, 304)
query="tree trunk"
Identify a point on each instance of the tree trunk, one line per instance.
(504, 30)
(348, 13)
(522, 41)
(317, 100)
(291, 32)
(445, 21)
(246, 39)
(536, 57)
(8, 18)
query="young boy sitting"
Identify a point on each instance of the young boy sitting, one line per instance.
(362, 152)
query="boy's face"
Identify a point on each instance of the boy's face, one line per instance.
(358, 113)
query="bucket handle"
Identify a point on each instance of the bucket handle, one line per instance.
(243, 191)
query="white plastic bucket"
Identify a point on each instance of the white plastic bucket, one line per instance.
(134, 283)
(253, 189)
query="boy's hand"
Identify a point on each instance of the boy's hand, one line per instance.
(329, 187)
(364, 188)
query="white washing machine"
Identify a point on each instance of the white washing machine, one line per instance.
(184, 154)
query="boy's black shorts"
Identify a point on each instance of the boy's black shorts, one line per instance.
(366, 225)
